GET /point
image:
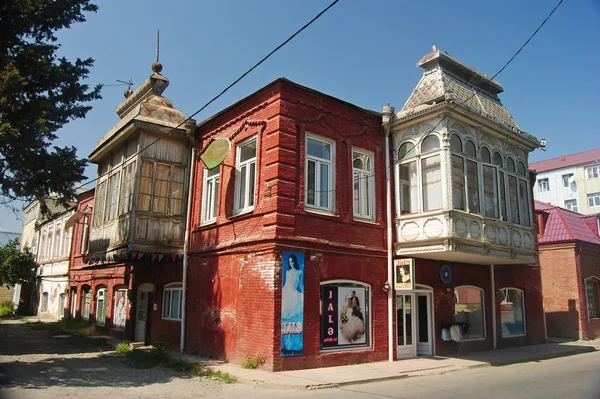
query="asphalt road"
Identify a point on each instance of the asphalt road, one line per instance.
(32, 365)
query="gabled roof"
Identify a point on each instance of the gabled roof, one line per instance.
(564, 225)
(580, 158)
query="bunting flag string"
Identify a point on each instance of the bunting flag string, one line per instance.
(123, 256)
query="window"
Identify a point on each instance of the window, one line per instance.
(57, 242)
(571, 205)
(210, 195)
(44, 307)
(593, 200)
(127, 186)
(120, 308)
(245, 176)
(470, 149)
(543, 185)
(566, 179)
(591, 294)
(408, 188)
(431, 143)
(524, 203)
(485, 155)
(101, 307)
(85, 239)
(432, 182)
(472, 187)
(85, 303)
(345, 308)
(320, 155)
(592, 172)
(407, 150)
(513, 199)
(112, 196)
(161, 188)
(99, 204)
(521, 169)
(172, 298)
(458, 182)
(61, 306)
(469, 310)
(455, 143)
(512, 312)
(490, 191)
(364, 184)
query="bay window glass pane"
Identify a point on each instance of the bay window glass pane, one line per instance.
(458, 182)
(497, 159)
(161, 189)
(408, 188)
(99, 204)
(512, 313)
(470, 148)
(431, 143)
(468, 310)
(406, 150)
(145, 190)
(502, 195)
(524, 203)
(455, 143)
(472, 187)
(490, 195)
(311, 182)
(112, 196)
(432, 183)
(324, 187)
(485, 155)
(510, 165)
(513, 199)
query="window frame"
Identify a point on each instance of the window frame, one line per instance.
(365, 177)
(543, 185)
(572, 205)
(565, 179)
(170, 199)
(331, 175)
(595, 172)
(587, 282)
(596, 200)
(210, 198)
(251, 163)
(524, 312)
(482, 296)
(170, 288)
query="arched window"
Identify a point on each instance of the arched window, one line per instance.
(469, 309)
(512, 312)
(470, 149)
(521, 169)
(455, 143)
(485, 155)
(510, 165)
(406, 150)
(431, 143)
(172, 297)
(497, 159)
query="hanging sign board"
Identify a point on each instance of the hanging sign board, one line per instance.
(404, 270)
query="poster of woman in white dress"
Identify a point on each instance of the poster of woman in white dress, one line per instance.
(292, 304)
(351, 316)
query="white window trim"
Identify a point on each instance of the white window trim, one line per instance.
(331, 175)
(524, 314)
(176, 286)
(592, 168)
(592, 195)
(545, 186)
(483, 311)
(210, 201)
(573, 203)
(245, 208)
(364, 175)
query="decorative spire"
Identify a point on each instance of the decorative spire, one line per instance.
(157, 66)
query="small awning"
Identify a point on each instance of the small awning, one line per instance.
(76, 217)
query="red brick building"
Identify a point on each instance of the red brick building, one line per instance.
(569, 247)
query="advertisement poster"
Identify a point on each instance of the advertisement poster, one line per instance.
(343, 315)
(404, 271)
(292, 304)
(120, 309)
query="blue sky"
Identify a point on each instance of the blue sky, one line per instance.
(364, 52)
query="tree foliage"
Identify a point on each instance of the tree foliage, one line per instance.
(39, 94)
(16, 266)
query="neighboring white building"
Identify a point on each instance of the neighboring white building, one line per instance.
(571, 181)
(53, 259)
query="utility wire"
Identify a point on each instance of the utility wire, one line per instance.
(227, 88)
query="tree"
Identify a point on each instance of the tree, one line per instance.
(39, 94)
(16, 266)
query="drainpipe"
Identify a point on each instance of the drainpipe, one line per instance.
(189, 127)
(493, 286)
(387, 117)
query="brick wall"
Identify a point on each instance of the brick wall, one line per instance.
(562, 290)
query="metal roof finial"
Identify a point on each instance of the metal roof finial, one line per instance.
(157, 66)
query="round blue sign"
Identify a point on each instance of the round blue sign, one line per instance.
(446, 273)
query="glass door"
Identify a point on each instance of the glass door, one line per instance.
(404, 326)
(423, 309)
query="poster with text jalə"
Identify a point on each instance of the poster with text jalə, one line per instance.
(292, 304)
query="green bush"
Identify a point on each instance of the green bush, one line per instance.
(253, 362)
(7, 308)
(123, 347)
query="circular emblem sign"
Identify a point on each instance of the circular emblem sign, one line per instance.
(446, 273)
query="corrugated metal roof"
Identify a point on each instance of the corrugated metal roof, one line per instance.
(564, 225)
(580, 158)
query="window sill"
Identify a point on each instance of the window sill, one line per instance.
(242, 212)
(318, 211)
(208, 223)
(352, 349)
(365, 220)
(164, 318)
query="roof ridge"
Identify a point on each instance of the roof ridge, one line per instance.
(565, 223)
(564, 156)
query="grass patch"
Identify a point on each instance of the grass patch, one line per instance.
(123, 347)
(253, 362)
(7, 309)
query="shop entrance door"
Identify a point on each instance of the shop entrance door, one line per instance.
(423, 325)
(404, 323)
(414, 323)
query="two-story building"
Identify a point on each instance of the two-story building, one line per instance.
(463, 216)
(127, 260)
(53, 258)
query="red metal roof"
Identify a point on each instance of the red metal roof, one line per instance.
(581, 158)
(564, 225)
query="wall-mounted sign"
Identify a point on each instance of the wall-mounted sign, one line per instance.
(403, 273)
(292, 304)
(446, 273)
(344, 315)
